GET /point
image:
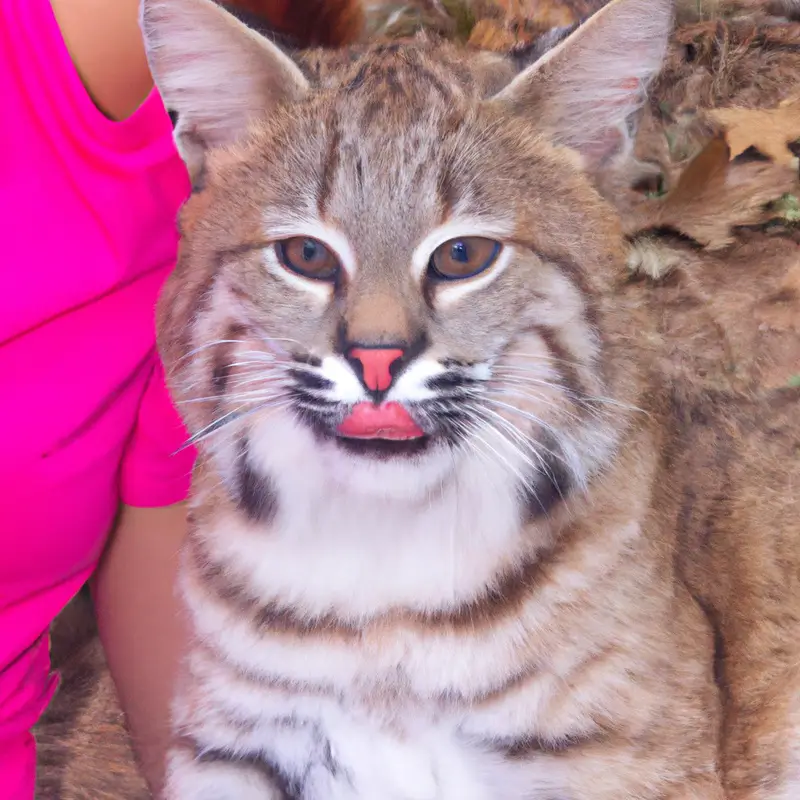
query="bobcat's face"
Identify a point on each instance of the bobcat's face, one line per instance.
(402, 266)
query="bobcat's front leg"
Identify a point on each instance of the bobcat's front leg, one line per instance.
(761, 750)
(213, 775)
(274, 756)
(214, 756)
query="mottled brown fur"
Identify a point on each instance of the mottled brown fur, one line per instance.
(738, 532)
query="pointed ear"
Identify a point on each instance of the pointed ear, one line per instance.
(586, 90)
(214, 72)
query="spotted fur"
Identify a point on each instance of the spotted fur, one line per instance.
(533, 603)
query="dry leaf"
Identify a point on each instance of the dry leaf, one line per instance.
(770, 131)
(502, 25)
(488, 34)
(715, 195)
(705, 174)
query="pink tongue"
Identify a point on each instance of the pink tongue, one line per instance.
(387, 421)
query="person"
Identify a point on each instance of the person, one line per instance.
(90, 186)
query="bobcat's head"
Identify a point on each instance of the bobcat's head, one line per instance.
(394, 263)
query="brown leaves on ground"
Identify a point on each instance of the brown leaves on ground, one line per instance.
(84, 749)
(497, 25)
(723, 123)
(715, 195)
(717, 69)
(502, 25)
(505, 25)
(744, 61)
(771, 132)
(400, 19)
(729, 301)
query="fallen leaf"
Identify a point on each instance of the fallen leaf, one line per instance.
(502, 25)
(770, 131)
(704, 174)
(714, 195)
(488, 34)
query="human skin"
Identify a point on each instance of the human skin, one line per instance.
(141, 624)
(106, 46)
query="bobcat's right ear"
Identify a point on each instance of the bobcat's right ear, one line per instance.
(585, 91)
(214, 72)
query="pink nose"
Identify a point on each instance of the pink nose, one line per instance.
(376, 365)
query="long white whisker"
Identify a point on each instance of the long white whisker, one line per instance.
(253, 361)
(226, 419)
(500, 457)
(542, 357)
(475, 436)
(281, 339)
(255, 370)
(524, 443)
(468, 442)
(528, 444)
(241, 397)
(539, 399)
(583, 398)
(256, 375)
(557, 434)
(205, 346)
(268, 412)
(504, 368)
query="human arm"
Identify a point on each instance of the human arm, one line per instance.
(105, 43)
(140, 616)
(141, 623)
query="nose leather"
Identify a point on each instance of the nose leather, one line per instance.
(376, 365)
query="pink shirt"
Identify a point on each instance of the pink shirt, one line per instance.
(88, 235)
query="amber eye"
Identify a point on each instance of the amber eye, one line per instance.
(307, 257)
(463, 258)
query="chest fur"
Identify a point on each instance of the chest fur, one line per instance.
(375, 742)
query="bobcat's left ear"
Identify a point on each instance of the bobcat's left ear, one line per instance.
(215, 73)
(586, 90)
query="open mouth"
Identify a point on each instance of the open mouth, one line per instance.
(381, 430)
(384, 448)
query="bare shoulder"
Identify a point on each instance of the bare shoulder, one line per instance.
(106, 46)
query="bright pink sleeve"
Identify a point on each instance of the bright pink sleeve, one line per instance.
(157, 466)
(88, 209)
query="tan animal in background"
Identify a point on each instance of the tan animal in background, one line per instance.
(454, 535)
(567, 638)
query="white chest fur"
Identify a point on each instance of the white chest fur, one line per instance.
(316, 705)
(421, 536)
(327, 748)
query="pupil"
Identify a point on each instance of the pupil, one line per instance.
(459, 252)
(309, 250)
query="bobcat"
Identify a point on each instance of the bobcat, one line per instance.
(454, 533)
